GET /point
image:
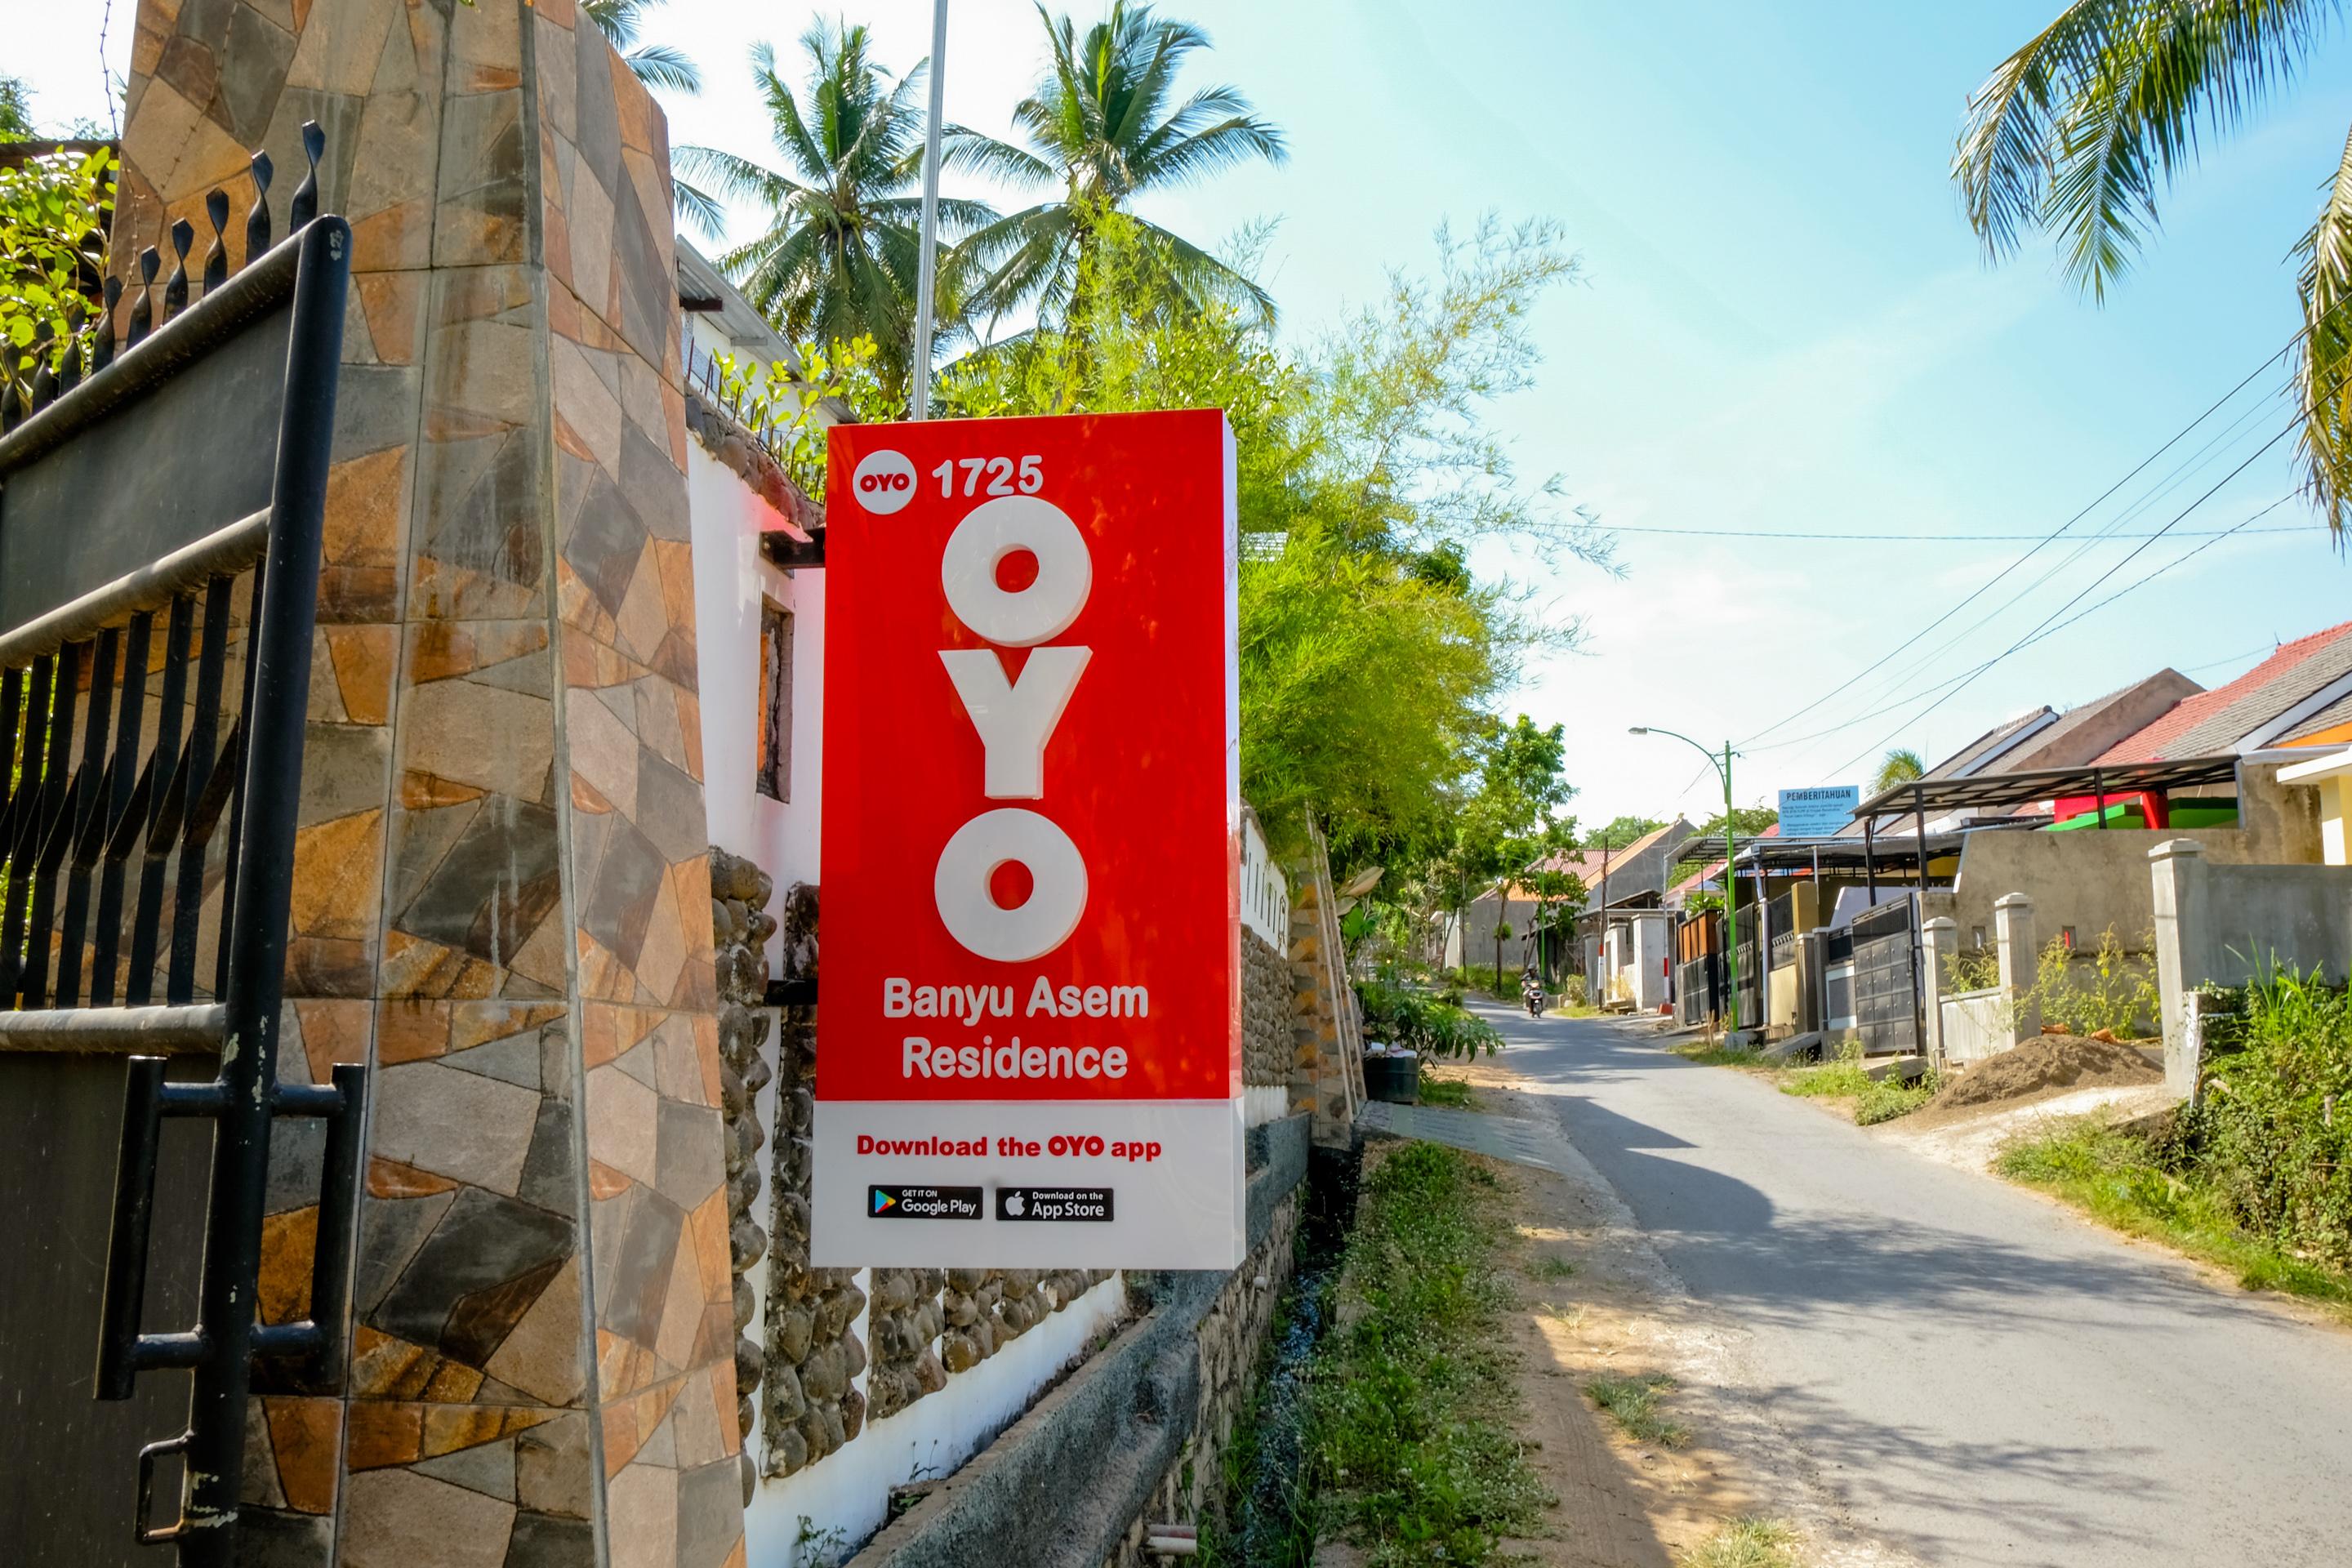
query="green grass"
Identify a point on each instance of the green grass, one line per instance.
(1634, 1401)
(1410, 1447)
(1444, 1090)
(1744, 1543)
(2114, 1178)
(1549, 1267)
(1891, 1097)
(1841, 1075)
(1711, 1054)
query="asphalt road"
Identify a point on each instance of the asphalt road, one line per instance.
(1978, 1376)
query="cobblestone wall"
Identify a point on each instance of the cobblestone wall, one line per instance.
(742, 925)
(1268, 1037)
(907, 1319)
(813, 1347)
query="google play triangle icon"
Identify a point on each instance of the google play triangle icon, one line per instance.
(883, 1202)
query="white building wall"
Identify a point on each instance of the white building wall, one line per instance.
(1648, 962)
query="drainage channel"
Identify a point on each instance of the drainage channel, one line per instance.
(1271, 1524)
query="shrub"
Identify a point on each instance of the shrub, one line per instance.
(1422, 1021)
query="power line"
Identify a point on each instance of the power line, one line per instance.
(2096, 502)
(1924, 538)
(2170, 483)
(2034, 636)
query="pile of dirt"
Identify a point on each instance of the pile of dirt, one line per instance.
(2044, 1066)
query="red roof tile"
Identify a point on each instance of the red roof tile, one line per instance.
(2211, 722)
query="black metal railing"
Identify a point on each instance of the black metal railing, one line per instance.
(707, 376)
(154, 738)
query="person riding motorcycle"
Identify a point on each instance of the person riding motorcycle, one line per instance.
(1531, 993)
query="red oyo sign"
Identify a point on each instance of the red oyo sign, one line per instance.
(1030, 835)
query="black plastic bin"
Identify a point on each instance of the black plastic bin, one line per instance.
(1393, 1077)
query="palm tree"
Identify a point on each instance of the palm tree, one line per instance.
(2079, 130)
(656, 65)
(838, 258)
(1896, 767)
(1103, 127)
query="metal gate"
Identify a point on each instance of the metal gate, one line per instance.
(1886, 978)
(160, 527)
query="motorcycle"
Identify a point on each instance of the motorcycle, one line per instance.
(1531, 993)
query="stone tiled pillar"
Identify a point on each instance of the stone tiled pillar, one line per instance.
(2012, 923)
(502, 896)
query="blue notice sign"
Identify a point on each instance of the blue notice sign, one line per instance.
(1818, 812)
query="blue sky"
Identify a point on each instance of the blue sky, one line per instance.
(1784, 326)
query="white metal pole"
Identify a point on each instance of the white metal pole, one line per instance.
(927, 265)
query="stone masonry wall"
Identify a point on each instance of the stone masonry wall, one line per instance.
(1229, 1340)
(739, 892)
(812, 1348)
(1268, 1043)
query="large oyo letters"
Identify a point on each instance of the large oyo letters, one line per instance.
(1013, 720)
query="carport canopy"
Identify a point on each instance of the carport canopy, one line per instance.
(2028, 786)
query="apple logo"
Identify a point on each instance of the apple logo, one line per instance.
(1012, 1205)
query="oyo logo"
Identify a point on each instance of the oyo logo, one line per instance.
(1014, 720)
(885, 481)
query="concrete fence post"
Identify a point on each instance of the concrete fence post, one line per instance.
(2177, 872)
(2013, 921)
(1939, 939)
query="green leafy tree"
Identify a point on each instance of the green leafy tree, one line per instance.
(15, 109)
(837, 261)
(1103, 127)
(52, 256)
(656, 65)
(1619, 832)
(1368, 654)
(2082, 130)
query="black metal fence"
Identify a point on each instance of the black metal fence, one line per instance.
(160, 532)
(1886, 997)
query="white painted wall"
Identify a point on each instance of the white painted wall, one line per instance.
(725, 519)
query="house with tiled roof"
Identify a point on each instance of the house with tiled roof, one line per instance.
(1622, 876)
(2300, 695)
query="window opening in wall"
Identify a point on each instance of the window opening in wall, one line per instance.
(775, 700)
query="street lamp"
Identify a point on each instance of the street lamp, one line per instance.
(1730, 873)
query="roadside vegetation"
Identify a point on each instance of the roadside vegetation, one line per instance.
(1633, 1403)
(1452, 1091)
(1411, 1451)
(1744, 1543)
(1875, 1099)
(1711, 1052)
(2257, 1175)
(1432, 1023)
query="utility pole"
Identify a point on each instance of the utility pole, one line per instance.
(1722, 765)
(926, 266)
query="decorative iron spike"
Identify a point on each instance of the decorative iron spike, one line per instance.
(216, 259)
(143, 309)
(11, 409)
(256, 222)
(306, 195)
(69, 369)
(175, 287)
(45, 374)
(101, 352)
